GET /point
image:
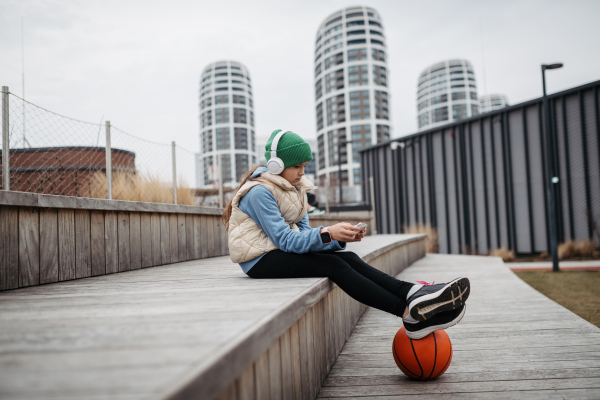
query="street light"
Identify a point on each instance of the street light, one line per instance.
(550, 167)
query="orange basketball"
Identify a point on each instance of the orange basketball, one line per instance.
(422, 359)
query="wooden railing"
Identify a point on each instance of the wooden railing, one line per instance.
(45, 238)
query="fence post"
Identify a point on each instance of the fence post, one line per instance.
(108, 153)
(220, 177)
(173, 156)
(5, 141)
(374, 218)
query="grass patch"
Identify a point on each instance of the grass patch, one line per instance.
(577, 291)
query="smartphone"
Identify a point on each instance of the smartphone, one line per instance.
(361, 225)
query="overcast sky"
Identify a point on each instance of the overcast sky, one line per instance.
(138, 62)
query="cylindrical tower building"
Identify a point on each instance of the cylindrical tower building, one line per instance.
(351, 94)
(446, 92)
(492, 102)
(226, 123)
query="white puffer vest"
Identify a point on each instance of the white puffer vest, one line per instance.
(246, 239)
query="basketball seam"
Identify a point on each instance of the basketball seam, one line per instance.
(416, 358)
(434, 357)
(398, 358)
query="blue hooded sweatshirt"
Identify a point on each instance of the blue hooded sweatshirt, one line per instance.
(260, 204)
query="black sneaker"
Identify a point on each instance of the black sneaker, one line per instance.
(432, 299)
(443, 320)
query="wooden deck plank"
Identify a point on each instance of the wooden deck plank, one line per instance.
(66, 245)
(97, 243)
(48, 245)
(9, 247)
(146, 239)
(135, 240)
(111, 242)
(29, 246)
(155, 226)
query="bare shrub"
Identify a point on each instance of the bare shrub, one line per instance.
(572, 249)
(504, 253)
(432, 244)
(141, 187)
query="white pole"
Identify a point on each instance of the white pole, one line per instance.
(373, 220)
(174, 172)
(23, 75)
(108, 153)
(220, 178)
(5, 141)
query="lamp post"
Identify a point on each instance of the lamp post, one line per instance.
(550, 168)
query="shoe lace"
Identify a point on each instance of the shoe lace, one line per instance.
(426, 283)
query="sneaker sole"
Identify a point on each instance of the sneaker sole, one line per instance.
(422, 333)
(452, 296)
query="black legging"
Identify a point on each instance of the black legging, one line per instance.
(354, 276)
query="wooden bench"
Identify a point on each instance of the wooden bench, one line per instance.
(194, 329)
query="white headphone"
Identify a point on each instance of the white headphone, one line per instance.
(275, 165)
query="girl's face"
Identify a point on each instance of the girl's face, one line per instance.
(293, 174)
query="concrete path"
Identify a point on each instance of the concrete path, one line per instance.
(514, 343)
(591, 265)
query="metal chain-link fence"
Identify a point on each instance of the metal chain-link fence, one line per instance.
(49, 153)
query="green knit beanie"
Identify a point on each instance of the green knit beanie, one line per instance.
(292, 149)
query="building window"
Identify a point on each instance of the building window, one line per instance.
(357, 55)
(354, 33)
(206, 102)
(357, 175)
(221, 115)
(226, 168)
(354, 14)
(383, 133)
(374, 23)
(423, 104)
(379, 75)
(318, 70)
(440, 114)
(334, 138)
(319, 116)
(378, 55)
(220, 74)
(207, 143)
(334, 81)
(318, 89)
(222, 138)
(459, 111)
(242, 164)
(206, 118)
(237, 99)
(250, 102)
(379, 42)
(459, 96)
(239, 115)
(236, 74)
(356, 41)
(376, 33)
(253, 145)
(473, 95)
(355, 23)
(360, 105)
(251, 118)
(336, 112)
(240, 137)
(423, 119)
(442, 98)
(381, 105)
(222, 99)
(333, 60)
(474, 110)
(358, 75)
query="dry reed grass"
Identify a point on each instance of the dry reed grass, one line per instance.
(141, 187)
(432, 244)
(572, 249)
(504, 253)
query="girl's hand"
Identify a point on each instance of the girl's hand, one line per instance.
(344, 232)
(360, 235)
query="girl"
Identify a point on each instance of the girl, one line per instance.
(269, 236)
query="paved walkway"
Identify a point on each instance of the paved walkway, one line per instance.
(591, 265)
(514, 343)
